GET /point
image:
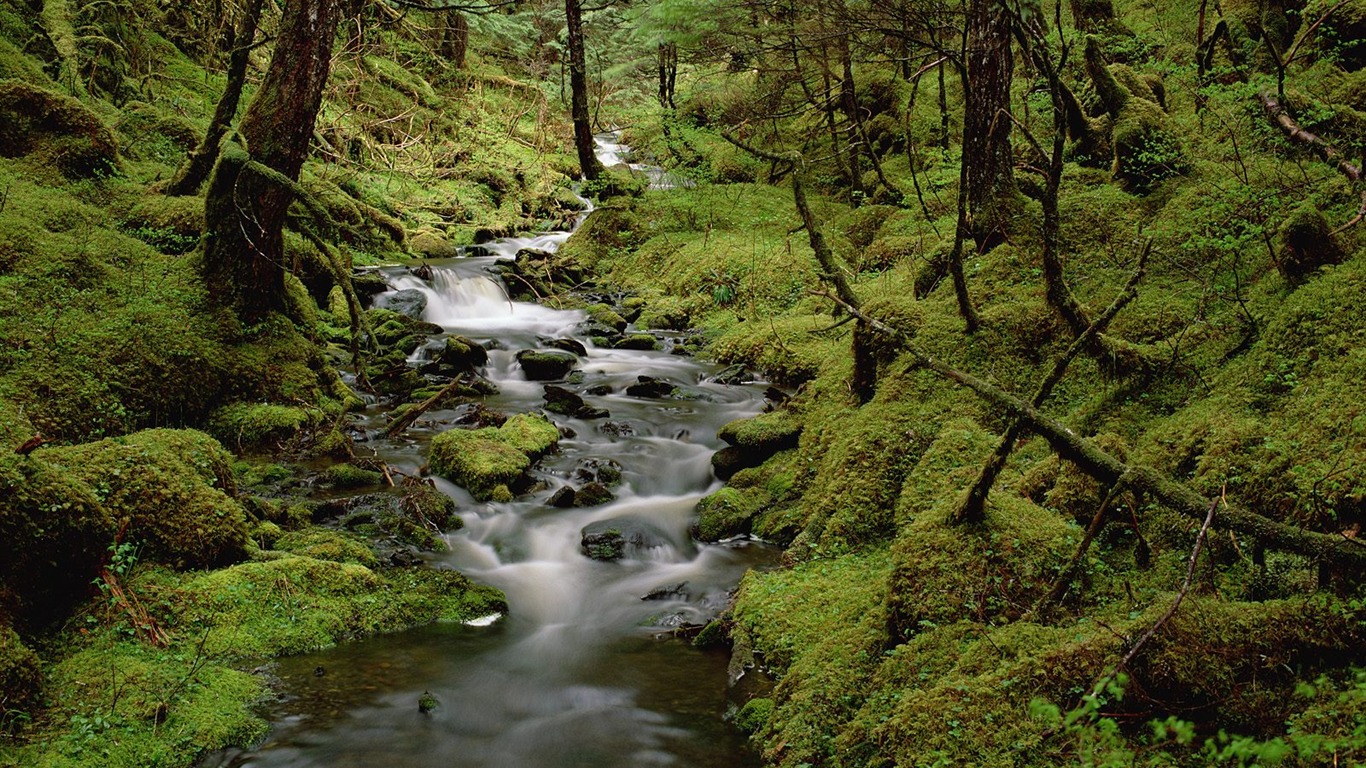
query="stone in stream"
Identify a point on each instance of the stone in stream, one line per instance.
(643, 342)
(670, 592)
(539, 365)
(617, 428)
(409, 302)
(592, 495)
(753, 441)
(595, 470)
(572, 346)
(563, 498)
(562, 401)
(598, 390)
(732, 376)
(607, 540)
(426, 703)
(462, 353)
(648, 386)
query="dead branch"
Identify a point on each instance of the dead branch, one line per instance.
(407, 419)
(1327, 152)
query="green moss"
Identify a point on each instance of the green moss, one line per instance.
(529, 433)
(773, 430)
(21, 678)
(351, 476)
(327, 544)
(171, 488)
(487, 461)
(728, 512)
(477, 460)
(754, 715)
(260, 425)
(54, 130)
(604, 314)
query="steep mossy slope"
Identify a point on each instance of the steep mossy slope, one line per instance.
(900, 638)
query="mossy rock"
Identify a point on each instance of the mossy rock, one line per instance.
(754, 715)
(21, 676)
(173, 488)
(768, 432)
(351, 476)
(463, 353)
(56, 130)
(546, 365)
(604, 314)
(56, 535)
(248, 426)
(489, 461)
(326, 544)
(1307, 244)
(727, 513)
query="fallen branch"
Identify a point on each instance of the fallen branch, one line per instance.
(973, 508)
(1330, 154)
(407, 419)
(1327, 548)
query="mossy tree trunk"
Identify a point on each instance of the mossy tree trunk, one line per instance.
(199, 164)
(455, 39)
(990, 173)
(668, 74)
(243, 263)
(578, 91)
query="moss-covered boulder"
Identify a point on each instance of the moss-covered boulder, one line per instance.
(256, 426)
(21, 677)
(172, 489)
(545, 365)
(326, 544)
(1306, 244)
(56, 130)
(614, 539)
(728, 512)
(56, 533)
(462, 353)
(1145, 148)
(754, 440)
(488, 462)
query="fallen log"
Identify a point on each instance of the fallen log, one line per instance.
(1334, 549)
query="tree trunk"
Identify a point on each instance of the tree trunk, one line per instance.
(455, 40)
(849, 105)
(986, 124)
(668, 74)
(578, 91)
(1096, 17)
(244, 211)
(199, 164)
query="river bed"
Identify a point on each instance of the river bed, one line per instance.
(583, 670)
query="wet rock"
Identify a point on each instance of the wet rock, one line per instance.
(562, 401)
(571, 346)
(727, 461)
(562, 498)
(670, 592)
(426, 703)
(403, 558)
(592, 495)
(598, 390)
(605, 315)
(462, 353)
(479, 415)
(608, 540)
(602, 335)
(648, 386)
(640, 341)
(731, 376)
(409, 302)
(752, 441)
(617, 428)
(368, 283)
(605, 471)
(546, 365)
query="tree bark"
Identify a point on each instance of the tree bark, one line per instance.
(199, 164)
(668, 74)
(455, 39)
(578, 91)
(244, 211)
(986, 126)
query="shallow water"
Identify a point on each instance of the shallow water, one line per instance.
(582, 671)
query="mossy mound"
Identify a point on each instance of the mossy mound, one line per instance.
(21, 677)
(489, 461)
(248, 426)
(293, 604)
(172, 490)
(54, 130)
(56, 532)
(326, 544)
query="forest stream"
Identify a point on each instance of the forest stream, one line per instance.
(583, 670)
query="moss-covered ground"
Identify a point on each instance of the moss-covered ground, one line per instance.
(900, 638)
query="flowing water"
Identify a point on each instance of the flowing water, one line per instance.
(581, 672)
